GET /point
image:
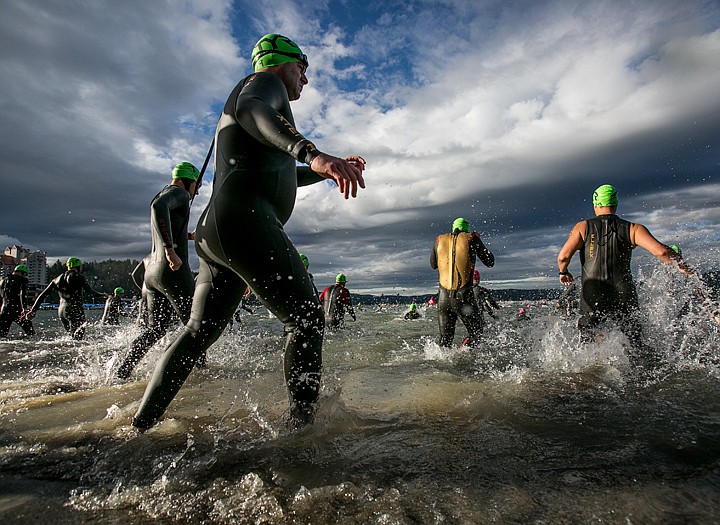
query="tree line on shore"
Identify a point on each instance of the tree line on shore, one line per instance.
(105, 276)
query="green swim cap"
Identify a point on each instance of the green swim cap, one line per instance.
(605, 195)
(118, 290)
(461, 224)
(676, 249)
(22, 268)
(304, 260)
(73, 262)
(274, 49)
(185, 170)
(340, 278)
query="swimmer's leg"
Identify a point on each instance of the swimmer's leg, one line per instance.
(447, 318)
(217, 295)
(159, 317)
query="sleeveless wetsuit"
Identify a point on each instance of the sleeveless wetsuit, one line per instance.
(14, 290)
(240, 239)
(164, 290)
(70, 286)
(453, 255)
(336, 299)
(608, 289)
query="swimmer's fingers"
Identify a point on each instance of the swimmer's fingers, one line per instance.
(356, 160)
(347, 174)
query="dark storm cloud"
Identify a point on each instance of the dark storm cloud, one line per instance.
(510, 118)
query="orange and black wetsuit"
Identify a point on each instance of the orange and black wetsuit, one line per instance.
(240, 239)
(453, 255)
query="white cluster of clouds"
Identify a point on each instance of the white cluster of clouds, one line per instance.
(507, 113)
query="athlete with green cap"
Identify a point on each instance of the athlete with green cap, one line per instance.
(608, 292)
(114, 307)
(70, 287)
(453, 256)
(336, 301)
(13, 292)
(273, 50)
(168, 282)
(240, 237)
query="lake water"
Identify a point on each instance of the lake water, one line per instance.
(530, 428)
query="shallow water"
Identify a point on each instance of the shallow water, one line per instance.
(529, 428)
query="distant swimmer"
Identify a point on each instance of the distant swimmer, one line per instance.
(336, 301)
(453, 255)
(114, 307)
(240, 239)
(412, 312)
(13, 290)
(699, 296)
(608, 292)
(568, 302)
(70, 287)
(484, 300)
(168, 282)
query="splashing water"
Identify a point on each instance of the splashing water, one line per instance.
(531, 427)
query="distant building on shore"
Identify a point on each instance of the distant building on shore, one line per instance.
(36, 263)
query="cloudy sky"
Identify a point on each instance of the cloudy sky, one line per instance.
(508, 113)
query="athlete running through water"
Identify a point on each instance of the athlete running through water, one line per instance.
(240, 237)
(168, 283)
(70, 287)
(608, 291)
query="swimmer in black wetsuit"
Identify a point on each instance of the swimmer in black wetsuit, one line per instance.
(70, 287)
(608, 291)
(114, 307)
(412, 312)
(240, 237)
(484, 300)
(168, 282)
(13, 290)
(453, 255)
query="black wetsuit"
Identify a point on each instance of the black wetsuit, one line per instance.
(608, 290)
(460, 302)
(164, 290)
(240, 239)
(70, 287)
(484, 300)
(113, 310)
(14, 291)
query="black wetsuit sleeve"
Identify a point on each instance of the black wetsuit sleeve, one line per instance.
(40, 298)
(86, 287)
(485, 255)
(306, 176)
(256, 110)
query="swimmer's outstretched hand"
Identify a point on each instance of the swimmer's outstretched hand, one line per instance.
(347, 173)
